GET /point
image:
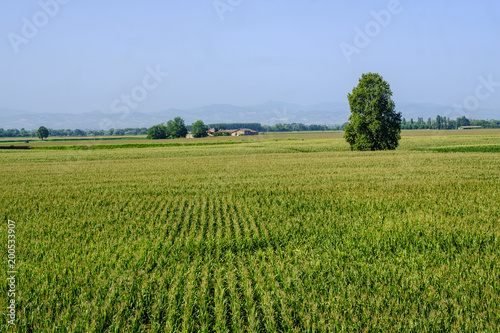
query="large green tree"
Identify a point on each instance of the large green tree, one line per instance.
(199, 129)
(374, 123)
(176, 128)
(42, 132)
(157, 132)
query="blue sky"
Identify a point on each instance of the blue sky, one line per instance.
(87, 55)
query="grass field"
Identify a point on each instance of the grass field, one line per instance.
(280, 232)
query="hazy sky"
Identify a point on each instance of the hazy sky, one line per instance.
(79, 56)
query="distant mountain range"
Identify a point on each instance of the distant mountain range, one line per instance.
(268, 113)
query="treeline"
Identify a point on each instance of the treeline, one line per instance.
(229, 126)
(109, 132)
(15, 133)
(22, 133)
(439, 122)
(443, 123)
(293, 127)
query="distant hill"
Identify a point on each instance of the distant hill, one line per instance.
(269, 113)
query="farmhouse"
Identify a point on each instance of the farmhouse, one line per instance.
(233, 132)
(245, 131)
(469, 127)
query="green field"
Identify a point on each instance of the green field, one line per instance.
(280, 232)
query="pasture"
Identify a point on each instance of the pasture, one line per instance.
(279, 232)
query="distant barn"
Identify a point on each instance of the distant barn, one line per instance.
(233, 132)
(245, 131)
(470, 127)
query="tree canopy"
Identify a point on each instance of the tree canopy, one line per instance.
(157, 132)
(176, 128)
(199, 129)
(374, 123)
(42, 132)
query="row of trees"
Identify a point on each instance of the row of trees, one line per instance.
(42, 132)
(443, 123)
(177, 129)
(108, 132)
(229, 126)
(15, 133)
(198, 128)
(293, 127)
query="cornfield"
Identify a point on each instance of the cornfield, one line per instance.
(279, 233)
